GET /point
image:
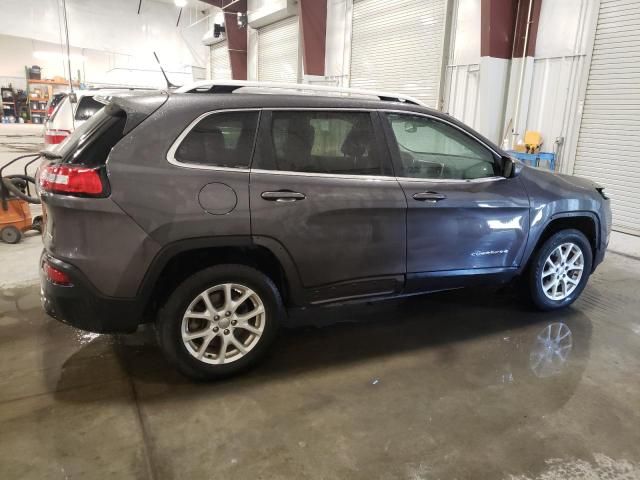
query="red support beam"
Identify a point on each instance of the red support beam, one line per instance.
(313, 17)
(497, 23)
(236, 36)
(503, 28)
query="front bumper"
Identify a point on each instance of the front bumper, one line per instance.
(81, 306)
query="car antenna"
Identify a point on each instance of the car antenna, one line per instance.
(169, 84)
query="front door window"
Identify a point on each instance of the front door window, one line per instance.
(431, 149)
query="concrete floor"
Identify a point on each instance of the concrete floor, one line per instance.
(456, 385)
(443, 386)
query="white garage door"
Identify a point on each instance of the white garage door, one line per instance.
(398, 46)
(278, 51)
(220, 64)
(609, 141)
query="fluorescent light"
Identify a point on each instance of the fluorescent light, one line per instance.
(180, 3)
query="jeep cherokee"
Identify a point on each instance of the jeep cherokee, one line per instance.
(212, 210)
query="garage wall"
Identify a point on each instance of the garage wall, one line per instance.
(462, 80)
(608, 142)
(550, 103)
(117, 44)
(398, 46)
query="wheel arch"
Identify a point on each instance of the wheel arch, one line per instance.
(178, 260)
(583, 221)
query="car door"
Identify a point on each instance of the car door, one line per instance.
(464, 218)
(322, 189)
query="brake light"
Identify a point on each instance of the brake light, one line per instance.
(73, 180)
(56, 276)
(55, 136)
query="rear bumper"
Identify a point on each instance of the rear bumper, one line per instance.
(81, 306)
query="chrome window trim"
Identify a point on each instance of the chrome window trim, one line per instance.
(346, 176)
(174, 147)
(171, 158)
(374, 177)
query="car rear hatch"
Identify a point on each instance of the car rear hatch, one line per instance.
(81, 223)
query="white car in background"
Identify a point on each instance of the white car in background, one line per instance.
(75, 109)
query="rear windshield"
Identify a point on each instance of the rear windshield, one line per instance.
(92, 141)
(87, 107)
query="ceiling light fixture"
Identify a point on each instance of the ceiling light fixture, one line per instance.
(180, 3)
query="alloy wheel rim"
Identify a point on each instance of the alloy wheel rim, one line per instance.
(562, 271)
(223, 323)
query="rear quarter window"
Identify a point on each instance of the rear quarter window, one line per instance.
(87, 108)
(92, 142)
(223, 139)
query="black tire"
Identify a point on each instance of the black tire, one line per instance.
(37, 224)
(10, 234)
(536, 267)
(170, 317)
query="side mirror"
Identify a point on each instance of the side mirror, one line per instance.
(511, 167)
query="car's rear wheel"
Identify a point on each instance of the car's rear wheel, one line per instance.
(220, 321)
(560, 269)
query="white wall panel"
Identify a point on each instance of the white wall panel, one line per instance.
(461, 96)
(553, 97)
(462, 76)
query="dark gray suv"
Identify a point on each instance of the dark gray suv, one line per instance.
(211, 212)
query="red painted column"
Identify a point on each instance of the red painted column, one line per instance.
(313, 23)
(497, 21)
(237, 45)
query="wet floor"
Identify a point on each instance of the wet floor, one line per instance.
(466, 384)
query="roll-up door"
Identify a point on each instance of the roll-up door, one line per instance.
(278, 51)
(398, 46)
(609, 141)
(220, 66)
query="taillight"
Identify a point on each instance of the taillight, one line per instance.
(55, 275)
(72, 180)
(55, 136)
(50, 110)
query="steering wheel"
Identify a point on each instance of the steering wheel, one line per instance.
(17, 185)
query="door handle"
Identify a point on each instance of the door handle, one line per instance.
(283, 196)
(431, 197)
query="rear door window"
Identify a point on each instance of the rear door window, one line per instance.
(222, 139)
(329, 142)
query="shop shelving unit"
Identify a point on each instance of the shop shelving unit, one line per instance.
(39, 92)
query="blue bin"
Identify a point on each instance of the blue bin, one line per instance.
(543, 159)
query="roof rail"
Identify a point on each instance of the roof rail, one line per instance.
(230, 86)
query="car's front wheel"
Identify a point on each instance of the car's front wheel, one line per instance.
(219, 321)
(559, 270)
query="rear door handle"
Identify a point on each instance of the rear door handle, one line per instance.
(283, 196)
(431, 197)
